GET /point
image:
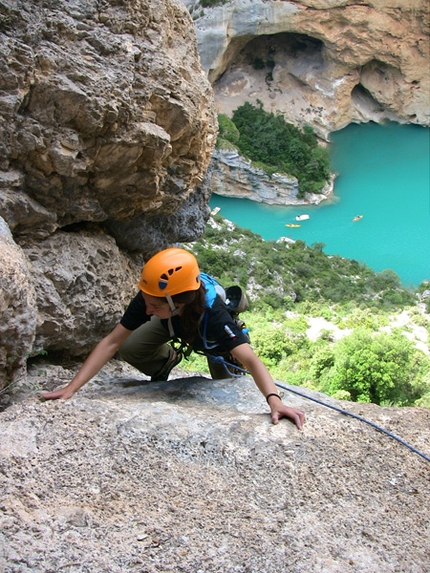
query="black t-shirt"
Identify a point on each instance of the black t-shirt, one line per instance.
(135, 315)
(217, 325)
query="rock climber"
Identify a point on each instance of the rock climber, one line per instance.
(172, 305)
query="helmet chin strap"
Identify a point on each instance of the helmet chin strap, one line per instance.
(175, 310)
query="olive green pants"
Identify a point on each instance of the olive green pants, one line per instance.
(147, 349)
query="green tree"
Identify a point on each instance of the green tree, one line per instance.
(272, 344)
(227, 129)
(379, 368)
(322, 362)
(275, 145)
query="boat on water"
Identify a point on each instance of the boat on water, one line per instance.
(302, 217)
(358, 217)
(215, 210)
(292, 225)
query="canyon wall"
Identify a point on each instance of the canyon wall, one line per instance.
(324, 63)
(231, 175)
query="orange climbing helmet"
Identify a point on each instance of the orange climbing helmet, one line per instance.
(169, 272)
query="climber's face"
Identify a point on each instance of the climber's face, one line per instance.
(157, 306)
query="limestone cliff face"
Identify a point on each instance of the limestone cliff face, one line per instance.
(106, 113)
(107, 127)
(17, 307)
(325, 63)
(234, 176)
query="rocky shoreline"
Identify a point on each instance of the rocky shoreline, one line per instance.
(231, 175)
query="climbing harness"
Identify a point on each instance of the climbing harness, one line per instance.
(232, 367)
(345, 412)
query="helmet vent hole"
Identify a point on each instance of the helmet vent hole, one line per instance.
(165, 277)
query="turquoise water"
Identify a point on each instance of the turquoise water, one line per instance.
(383, 174)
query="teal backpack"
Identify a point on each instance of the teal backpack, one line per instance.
(234, 297)
(236, 302)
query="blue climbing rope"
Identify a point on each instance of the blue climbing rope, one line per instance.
(346, 413)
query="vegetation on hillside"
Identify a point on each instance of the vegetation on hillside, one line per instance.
(368, 359)
(276, 146)
(282, 274)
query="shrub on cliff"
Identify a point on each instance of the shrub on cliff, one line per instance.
(380, 368)
(227, 131)
(211, 3)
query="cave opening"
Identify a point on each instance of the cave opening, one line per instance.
(285, 72)
(363, 99)
(265, 52)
